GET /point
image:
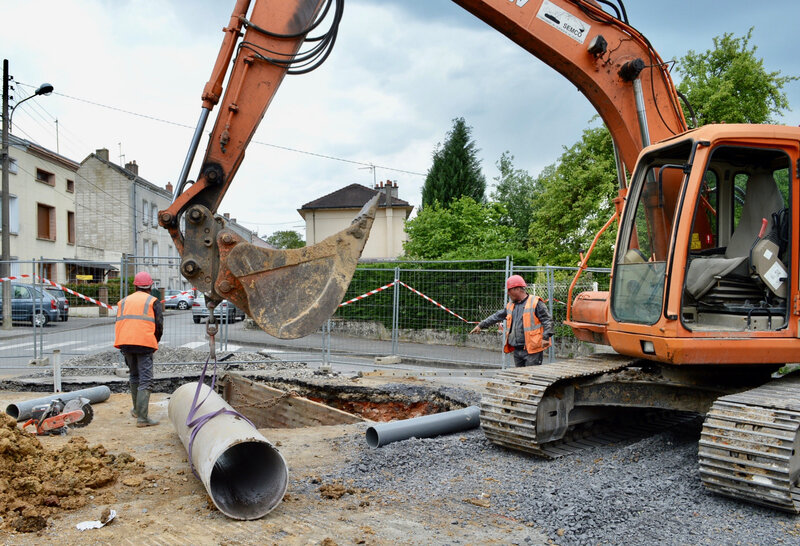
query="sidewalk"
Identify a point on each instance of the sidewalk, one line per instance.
(446, 356)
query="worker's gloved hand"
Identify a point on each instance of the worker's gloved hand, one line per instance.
(475, 330)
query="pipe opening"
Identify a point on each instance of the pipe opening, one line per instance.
(248, 480)
(13, 411)
(373, 438)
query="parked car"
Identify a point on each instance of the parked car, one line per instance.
(31, 304)
(224, 309)
(63, 302)
(182, 299)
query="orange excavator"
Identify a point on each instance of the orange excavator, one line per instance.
(704, 298)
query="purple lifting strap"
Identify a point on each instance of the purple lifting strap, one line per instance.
(197, 424)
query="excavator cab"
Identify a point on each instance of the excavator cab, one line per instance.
(704, 248)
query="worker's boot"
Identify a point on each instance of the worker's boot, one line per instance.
(134, 390)
(142, 403)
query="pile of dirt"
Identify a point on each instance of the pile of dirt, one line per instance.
(35, 483)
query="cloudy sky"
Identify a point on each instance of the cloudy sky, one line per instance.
(128, 76)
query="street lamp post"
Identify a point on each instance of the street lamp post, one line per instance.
(5, 259)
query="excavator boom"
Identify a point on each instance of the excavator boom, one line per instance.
(609, 61)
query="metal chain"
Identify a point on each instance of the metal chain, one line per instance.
(211, 331)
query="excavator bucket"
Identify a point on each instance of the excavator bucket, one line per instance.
(291, 293)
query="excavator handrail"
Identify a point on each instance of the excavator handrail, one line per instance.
(584, 261)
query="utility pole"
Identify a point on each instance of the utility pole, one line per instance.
(6, 209)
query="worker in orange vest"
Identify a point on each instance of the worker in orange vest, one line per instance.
(140, 323)
(529, 325)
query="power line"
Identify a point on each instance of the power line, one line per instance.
(277, 146)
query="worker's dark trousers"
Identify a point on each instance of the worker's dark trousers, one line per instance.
(524, 358)
(140, 366)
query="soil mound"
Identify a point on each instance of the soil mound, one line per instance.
(36, 482)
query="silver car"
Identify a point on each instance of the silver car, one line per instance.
(221, 311)
(178, 299)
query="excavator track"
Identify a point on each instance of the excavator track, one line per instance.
(750, 445)
(512, 408)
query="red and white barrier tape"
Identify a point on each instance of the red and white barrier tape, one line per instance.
(87, 298)
(417, 292)
(371, 292)
(14, 278)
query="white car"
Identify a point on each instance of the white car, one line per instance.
(221, 311)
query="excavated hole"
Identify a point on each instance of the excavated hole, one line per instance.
(268, 406)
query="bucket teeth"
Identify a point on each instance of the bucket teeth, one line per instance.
(291, 293)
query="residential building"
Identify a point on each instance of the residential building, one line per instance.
(333, 212)
(42, 211)
(118, 215)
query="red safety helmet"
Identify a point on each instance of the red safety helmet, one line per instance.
(515, 281)
(143, 280)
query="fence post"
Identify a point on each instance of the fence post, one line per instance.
(396, 311)
(37, 302)
(507, 274)
(326, 346)
(551, 294)
(56, 370)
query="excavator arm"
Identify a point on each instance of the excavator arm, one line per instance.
(289, 293)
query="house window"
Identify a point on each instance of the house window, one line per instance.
(70, 227)
(46, 222)
(71, 186)
(13, 168)
(46, 177)
(155, 251)
(145, 212)
(154, 209)
(13, 217)
(48, 271)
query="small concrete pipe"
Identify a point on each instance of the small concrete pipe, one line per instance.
(426, 426)
(21, 411)
(245, 476)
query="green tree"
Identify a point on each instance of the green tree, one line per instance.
(730, 84)
(515, 191)
(286, 239)
(575, 200)
(465, 229)
(456, 169)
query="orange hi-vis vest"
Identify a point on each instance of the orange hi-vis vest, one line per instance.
(136, 321)
(530, 324)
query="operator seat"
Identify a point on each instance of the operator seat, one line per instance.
(762, 199)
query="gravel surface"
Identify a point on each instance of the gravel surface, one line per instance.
(640, 492)
(179, 359)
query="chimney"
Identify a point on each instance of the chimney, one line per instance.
(132, 167)
(102, 153)
(168, 187)
(391, 188)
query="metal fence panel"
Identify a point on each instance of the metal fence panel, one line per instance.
(419, 311)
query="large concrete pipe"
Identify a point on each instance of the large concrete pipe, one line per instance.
(245, 476)
(426, 426)
(21, 411)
